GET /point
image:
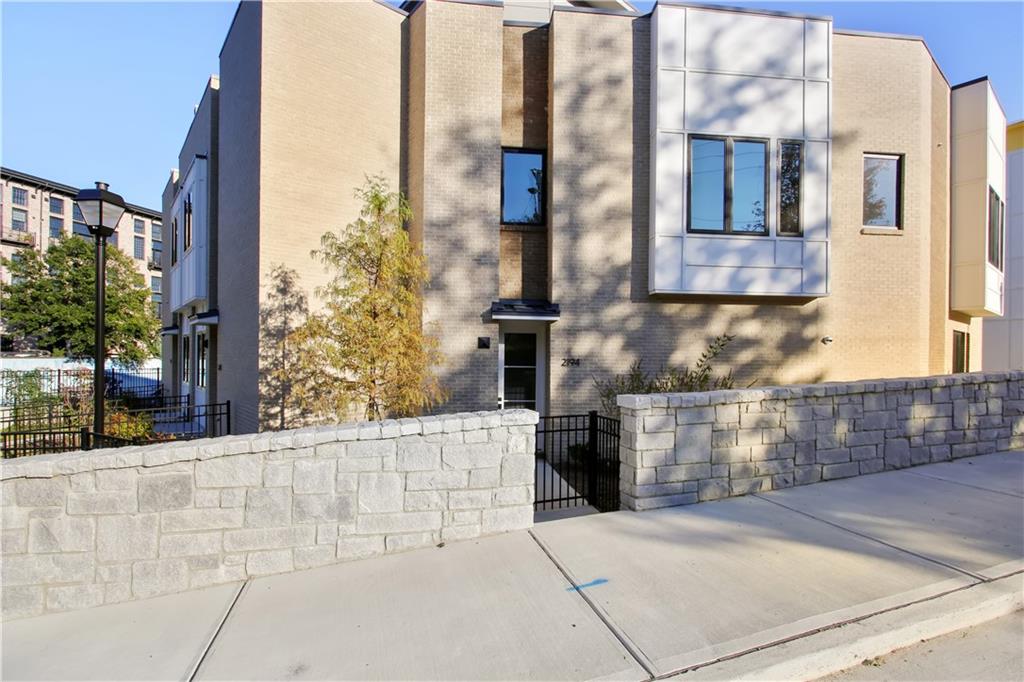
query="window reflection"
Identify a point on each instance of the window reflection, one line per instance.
(707, 184)
(881, 191)
(522, 178)
(748, 186)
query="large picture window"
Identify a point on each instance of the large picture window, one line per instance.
(883, 190)
(791, 171)
(996, 229)
(728, 185)
(522, 187)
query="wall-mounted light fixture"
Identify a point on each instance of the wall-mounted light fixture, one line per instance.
(826, 340)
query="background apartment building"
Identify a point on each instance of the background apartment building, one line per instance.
(593, 186)
(36, 211)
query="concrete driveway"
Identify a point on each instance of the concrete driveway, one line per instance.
(618, 596)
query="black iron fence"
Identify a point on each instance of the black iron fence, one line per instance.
(577, 462)
(19, 386)
(173, 419)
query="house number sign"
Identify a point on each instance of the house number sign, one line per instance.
(570, 362)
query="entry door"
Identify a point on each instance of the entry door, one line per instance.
(521, 378)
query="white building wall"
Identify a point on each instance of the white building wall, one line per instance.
(739, 74)
(1004, 337)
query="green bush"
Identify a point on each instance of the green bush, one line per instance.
(636, 380)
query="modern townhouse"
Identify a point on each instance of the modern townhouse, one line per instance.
(37, 211)
(1004, 336)
(592, 186)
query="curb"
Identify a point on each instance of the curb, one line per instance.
(838, 648)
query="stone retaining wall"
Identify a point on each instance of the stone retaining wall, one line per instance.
(88, 528)
(684, 448)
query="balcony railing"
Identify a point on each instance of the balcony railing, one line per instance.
(19, 237)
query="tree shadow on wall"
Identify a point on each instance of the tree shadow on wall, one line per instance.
(284, 310)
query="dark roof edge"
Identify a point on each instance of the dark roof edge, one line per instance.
(983, 79)
(68, 189)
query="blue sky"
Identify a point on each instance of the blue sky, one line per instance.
(96, 91)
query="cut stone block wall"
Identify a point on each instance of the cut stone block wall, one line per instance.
(88, 528)
(690, 447)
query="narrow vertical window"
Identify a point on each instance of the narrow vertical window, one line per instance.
(187, 224)
(749, 186)
(707, 185)
(883, 188)
(140, 226)
(140, 248)
(19, 219)
(19, 196)
(996, 229)
(522, 187)
(791, 171)
(56, 227)
(961, 352)
(185, 360)
(174, 241)
(57, 205)
(202, 350)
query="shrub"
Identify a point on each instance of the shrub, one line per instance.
(637, 380)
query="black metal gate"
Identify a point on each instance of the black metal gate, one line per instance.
(577, 462)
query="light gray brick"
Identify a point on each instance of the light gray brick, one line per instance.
(381, 493)
(165, 491)
(314, 476)
(201, 519)
(321, 508)
(268, 507)
(269, 538)
(61, 534)
(268, 562)
(122, 538)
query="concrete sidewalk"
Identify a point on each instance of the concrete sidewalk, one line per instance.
(723, 589)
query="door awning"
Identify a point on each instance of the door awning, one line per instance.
(520, 309)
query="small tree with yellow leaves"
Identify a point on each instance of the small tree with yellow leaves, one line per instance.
(367, 351)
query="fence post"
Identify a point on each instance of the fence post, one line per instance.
(86, 445)
(591, 466)
(228, 404)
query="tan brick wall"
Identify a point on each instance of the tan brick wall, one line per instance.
(878, 312)
(239, 201)
(331, 115)
(523, 269)
(458, 50)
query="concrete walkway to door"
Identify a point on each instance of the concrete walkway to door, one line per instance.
(709, 588)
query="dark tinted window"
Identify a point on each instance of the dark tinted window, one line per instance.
(882, 191)
(996, 229)
(57, 205)
(961, 352)
(56, 226)
(19, 196)
(522, 187)
(791, 163)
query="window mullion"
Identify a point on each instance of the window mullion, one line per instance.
(728, 185)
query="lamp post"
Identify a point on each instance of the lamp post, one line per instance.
(101, 210)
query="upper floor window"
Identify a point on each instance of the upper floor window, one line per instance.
(883, 190)
(174, 241)
(140, 226)
(791, 170)
(56, 227)
(140, 248)
(157, 253)
(158, 231)
(76, 213)
(19, 219)
(19, 196)
(156, 284)
(728, 185)
(80, 229)
(187, 224)
(112, 239)
(522, 187)
(57, 205)
(996, 229)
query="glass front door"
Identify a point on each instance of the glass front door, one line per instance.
(520, 370)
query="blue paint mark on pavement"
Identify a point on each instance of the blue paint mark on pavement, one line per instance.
(592, 583)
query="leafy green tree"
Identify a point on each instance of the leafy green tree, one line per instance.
(367, 351)
(51, 297)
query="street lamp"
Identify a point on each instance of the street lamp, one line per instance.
(101, 210)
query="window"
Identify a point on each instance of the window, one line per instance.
(157, 300)
(77, 214)
(187, 224)
(112, 239)
(81, 229)
(19, 196)
(56, 227)
(203, 351)
(185, 359)
(140, 226)
(883, 189)
(157, 253)
(961, 352)
(522, 187)
(791, 170)
(158, 231)
(57, 205)
(996, 229)
(728, 185)
(520, 371)
(140, 248)
(155, 283)
(15, 260)
(174, 241)
(19, 219)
